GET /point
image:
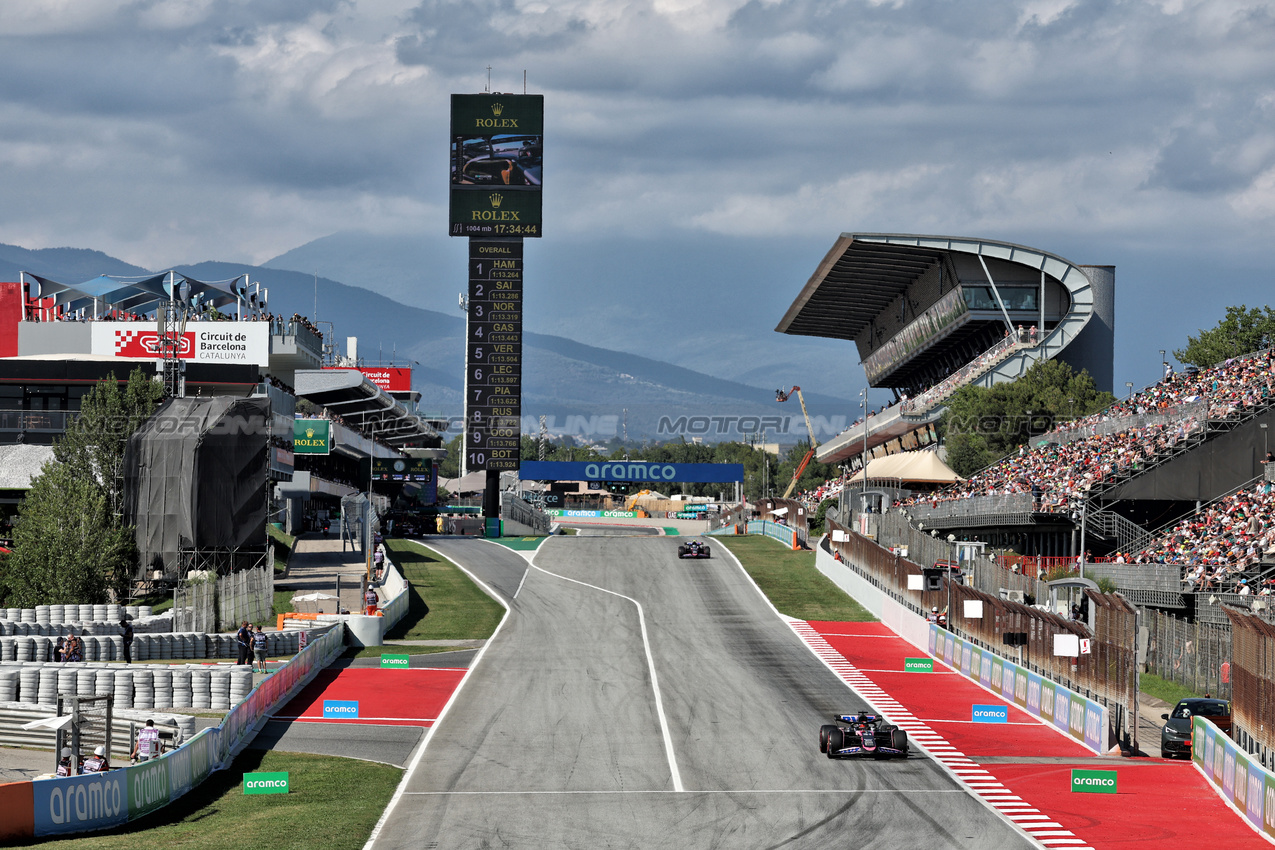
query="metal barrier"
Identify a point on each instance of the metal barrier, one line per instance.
(775, 531)
(1190, 415)
(978, 506)
(52, 806)
(219, 603)
(1252, 675)
(1109, 675)
(1193, 654)
(517, 510)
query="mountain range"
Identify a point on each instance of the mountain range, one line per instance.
(585, 390)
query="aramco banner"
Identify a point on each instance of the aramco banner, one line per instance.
(631, 470)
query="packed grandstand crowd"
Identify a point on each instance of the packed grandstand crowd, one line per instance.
(1063, 470)
(1220, 548)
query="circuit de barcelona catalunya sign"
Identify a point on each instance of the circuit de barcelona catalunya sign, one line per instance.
(203, 342)
(630, 470)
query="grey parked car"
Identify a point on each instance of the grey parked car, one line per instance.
(1175, 737)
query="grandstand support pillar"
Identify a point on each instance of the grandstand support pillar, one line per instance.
(997, 293)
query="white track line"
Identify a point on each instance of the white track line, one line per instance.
(650, 663)
(1037, 825)
(841, 792)
(420, 750)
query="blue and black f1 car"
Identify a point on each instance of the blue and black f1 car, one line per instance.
(694, 549)
(862, 734)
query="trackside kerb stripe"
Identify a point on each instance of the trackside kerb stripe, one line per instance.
(925, 738)
(1030, 820)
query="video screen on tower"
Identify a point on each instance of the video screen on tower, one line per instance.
(496, 159)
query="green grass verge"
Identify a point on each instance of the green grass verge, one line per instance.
(318, 813)
(1164, 689)
(521, 544)
(283, 546)
(791, 581)
(159, 602)
(443, 603)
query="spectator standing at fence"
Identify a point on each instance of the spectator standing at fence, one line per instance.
(259, 642)
(148, 745)
(244, 638)
(127, 636)
(378, 558)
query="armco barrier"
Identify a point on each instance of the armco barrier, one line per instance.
(775, 531)
(1239, 779)
(100, 801)
(1081, 718)
(393, 591)
(1078, 716)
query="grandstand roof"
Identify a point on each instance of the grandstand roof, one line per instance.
(140, 294)
(856, 280)
(364, 406)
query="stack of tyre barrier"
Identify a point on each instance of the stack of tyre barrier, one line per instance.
(218, 687)
(34, 646)
(72, 613)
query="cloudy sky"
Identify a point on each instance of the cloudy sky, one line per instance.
(723, 144)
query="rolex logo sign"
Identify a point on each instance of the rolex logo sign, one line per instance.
(496, 165)
(312, 437)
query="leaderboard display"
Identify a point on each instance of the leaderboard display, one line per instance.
(497, 151)
(493, 355)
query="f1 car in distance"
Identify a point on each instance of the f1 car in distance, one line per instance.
(694, 549)
(862, 734)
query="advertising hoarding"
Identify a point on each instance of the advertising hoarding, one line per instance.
(203, 342)
(402, 469)
(311, 437)
(637, 471)
(497, 152)
(391, 379)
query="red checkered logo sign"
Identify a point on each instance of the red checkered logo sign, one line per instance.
(140, 343)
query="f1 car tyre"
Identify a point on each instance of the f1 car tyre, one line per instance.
(836, 740)
(899, 740)
(824, 732)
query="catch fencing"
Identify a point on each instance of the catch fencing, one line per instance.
(1252, 677)
(1195, 655)
(1108, 675)
(214, 604)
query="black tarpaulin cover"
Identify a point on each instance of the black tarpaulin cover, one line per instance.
(196, 477)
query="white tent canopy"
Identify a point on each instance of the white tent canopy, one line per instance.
(922, 467)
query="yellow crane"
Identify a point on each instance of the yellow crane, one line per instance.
(780, 395)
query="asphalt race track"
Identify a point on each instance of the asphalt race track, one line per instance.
(563, 737)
